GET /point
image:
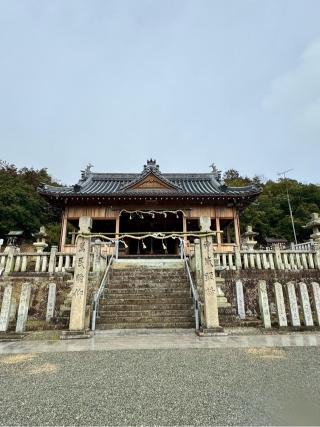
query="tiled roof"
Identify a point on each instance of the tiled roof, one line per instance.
(115, 184)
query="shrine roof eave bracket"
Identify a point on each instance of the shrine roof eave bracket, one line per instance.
(240, 201)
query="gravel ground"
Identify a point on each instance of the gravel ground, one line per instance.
(253, 386)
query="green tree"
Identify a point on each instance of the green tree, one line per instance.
(21, 207)
(269, 214)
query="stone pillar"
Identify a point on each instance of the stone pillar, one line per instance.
(281, 309)
(10, 250)
(51, 302)
(240, 300)
(81, 273)
(23, 307)
(5, 308)
(294, 311)
(211, 316)
(198, 265)
(97, 256)
(264, 304)
(305, 303)
(13, 310)
(277, 258)
(52, 259)
(316, 300)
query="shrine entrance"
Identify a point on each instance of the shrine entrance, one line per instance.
(141, 222)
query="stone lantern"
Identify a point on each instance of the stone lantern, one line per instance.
(249, 235)
(314, 224)
(40, 244)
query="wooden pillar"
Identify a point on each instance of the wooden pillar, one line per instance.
(64, 222)
(117, 225)
(219, 240)
(184, 228)
(237, 227)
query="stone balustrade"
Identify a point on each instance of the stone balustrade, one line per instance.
(59, 262)
(45, 262)
(268, 259)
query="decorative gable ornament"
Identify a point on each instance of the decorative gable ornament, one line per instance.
(151, 179)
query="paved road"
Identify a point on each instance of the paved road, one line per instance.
(194, 386)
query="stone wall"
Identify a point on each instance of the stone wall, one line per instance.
(39, 297)
(250, 279)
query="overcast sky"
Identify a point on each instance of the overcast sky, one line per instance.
(234, 82)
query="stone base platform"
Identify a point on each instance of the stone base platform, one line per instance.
(211, 332)
(71, 335)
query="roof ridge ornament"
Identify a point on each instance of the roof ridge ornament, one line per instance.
(217, 174)
(85, 173)
(151, 166)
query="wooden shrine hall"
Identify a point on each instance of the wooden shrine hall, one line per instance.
(150, 202)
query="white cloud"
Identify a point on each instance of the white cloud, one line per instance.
(295, 97)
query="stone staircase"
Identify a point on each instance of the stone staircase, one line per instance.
(146, 294)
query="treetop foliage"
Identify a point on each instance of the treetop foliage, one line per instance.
(21, 207)
(269, 214)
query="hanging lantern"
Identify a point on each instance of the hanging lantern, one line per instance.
(177, 216)
(153, 215)
(142, 216)
(163, 245)
(165, 214)
(144, 245)
(130, 217)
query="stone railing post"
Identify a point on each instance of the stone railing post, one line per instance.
(237, 257)
(81, 273)
(10, 250)
(317, 257)
(52, 259)
(210, 301)
(277, 258)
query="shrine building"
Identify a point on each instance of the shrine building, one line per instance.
(151, 202)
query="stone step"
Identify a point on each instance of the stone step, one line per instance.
(149, 314)
(157, 278)
(147, 290)
(112, 307)
(145, 299)
(146, 313)
(146, 325)
(150, 285)
(143, 275)
(129, 293)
